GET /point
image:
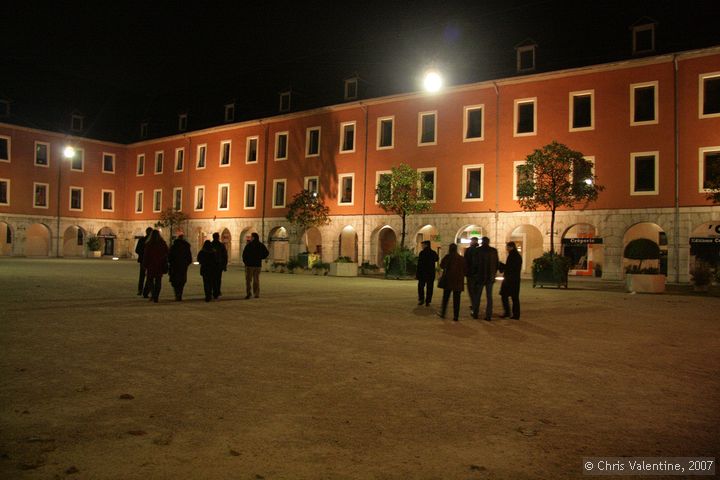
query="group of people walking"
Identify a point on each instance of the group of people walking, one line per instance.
(156, 259)
(479, 266)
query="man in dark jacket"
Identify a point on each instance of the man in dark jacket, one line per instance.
(222, 260)
(253, 255)
(471, 271)
(511, 281)
(143, 286)
(425, 273)
(179, 258)
(487, 266)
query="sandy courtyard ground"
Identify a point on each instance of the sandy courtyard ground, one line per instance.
(341, 378)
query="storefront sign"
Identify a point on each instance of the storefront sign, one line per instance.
(704, 241)
(581, 241)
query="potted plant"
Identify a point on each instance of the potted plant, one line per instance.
(368, 268)
(400, 263)
(93, 245)
(598, 270)
(343, 267)
(639, 279)
(320, 268)
(294, 266)
(701, 277)
(550, 269)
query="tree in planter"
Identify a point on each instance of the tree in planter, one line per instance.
(171, 218)
(555, 176)
(93, 243)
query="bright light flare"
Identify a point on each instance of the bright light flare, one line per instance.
(589, 181)
(69, 152)
(432, 82)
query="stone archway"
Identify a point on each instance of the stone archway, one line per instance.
(37, 240)
(463, 236)
(386, 243)
(348, 243)
(704, 246)
(7, 239)
(312, 240)
(529, 242)
(107, 241)
(74, 242)
(582, 246)
(278, 245)
(654, 233)
(226, 239)
(428, 232)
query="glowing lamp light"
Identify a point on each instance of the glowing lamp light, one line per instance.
(588, 181)
(433, 82)
(69, 152)
(196, 263)
(116, 258)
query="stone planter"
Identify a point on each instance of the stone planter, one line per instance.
(549, 277)
(343, 269)
(645, 283)
(96, 253)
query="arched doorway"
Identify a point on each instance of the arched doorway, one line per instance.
(348, 243)
(312, 239)
(107, 241)
(463, 236)
(37, 240)
(428, 232)
(656, 234)
(278, 245)
(386, 243)
(529, 241)
(74, 242)
(705, 246)
(6, 240)
(199, 237)
(581, 245)
(226, 239)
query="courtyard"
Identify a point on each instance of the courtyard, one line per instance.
(341, 378)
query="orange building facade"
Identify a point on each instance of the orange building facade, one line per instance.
(650, 126)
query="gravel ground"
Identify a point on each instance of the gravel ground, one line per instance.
(341, 378)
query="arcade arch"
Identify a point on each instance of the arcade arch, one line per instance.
(37, 240)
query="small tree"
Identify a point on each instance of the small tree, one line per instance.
(404, 192)
(555, 176)
(171, 218)
(307, 210)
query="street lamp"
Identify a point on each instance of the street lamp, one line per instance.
(68, 154)
(433, 81)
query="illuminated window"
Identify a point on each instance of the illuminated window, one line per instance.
(199, 198)
(250, 190)
(77, 163)
(346, 195)
(224, 196)
(473, 183)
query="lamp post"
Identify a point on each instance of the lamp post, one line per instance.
(68, 154)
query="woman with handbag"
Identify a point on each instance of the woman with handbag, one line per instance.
(452, 280)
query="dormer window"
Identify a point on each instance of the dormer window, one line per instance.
(4, 108)
(351, 88)
(525, 53)
(144, 130)
(643, 36)
(230, 112)
(76, 122)
(285, 101)
(182, 122)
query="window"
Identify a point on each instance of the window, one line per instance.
(159, 159)
(108, 163)
(519, 177)
(201, 153)
(312, 142)
(644, 173)
(76, 122)
(428, 180)
(138, 202)
(347, 137)
(525, 117)
(709, 169)
(4, 149)
(284, 102)
(108, 200)
(710, 95)
(473, 123)
(4, 192)
(279, 193)
(225, 153)
(381, 175)
(386, 133)
(473, 183)
(351, 88)
(182, 122)
(281, 146)
(157, 200)
(224, 196)
(42, 154)
(40, 195)
(76, 198)
(644, 38)
(346, 195)
(140, 169)
(312, 184)
(250, 189)
(144, 128)
(229, 112)
(643, 103)
(78, 161)
(251, 150)
(199, 198)
(582, 111)
(179, 159)
(427, 124)
(177, 199)
(525, 58)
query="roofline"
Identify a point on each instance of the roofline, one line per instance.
(64, 136)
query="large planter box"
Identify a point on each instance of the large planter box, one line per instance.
(549, 277)
(343, 269)
(645, 283)
(95, 253)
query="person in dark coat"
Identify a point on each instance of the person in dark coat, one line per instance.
(179, 259)
(222, 257)
(155, 261)
(472, 273)
(452, 280)
(486, 271)
(510, 287)
(209, 267)
(253, 255)
(143, 286)
(425, 273)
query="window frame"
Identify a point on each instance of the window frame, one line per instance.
(245, 195)
(182, 122)
(378, 174)
(80, 119)
(195, 202)
(518, 58)
(306, 181)
(421, 115)
(348, 82)
(79, 153)
(139, 194)
(435, 183)
(102, 200)
(82, 198)
(641, 28)
(175, 191)
(144, 129)
(8, 182)
(248, 141)
(8, 139)
(47, 195)
(343, 126)
(516, 116)
(140, 162)
(277, 181)
(656, 95)
(219, 199)
(47, 152)
(380, 121)
(282, 95)
(222, 153)
(571, 110)
(308, 132)
(341, 176)
(285, 134)
(701, 166)
(516, 164)
(229, 108)
(633, 156)
(466, 168)
(178, 151)
(157, 206)
(701, 94)
(159, 155)
(202, 147)
(466, 114)
(112, 156)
